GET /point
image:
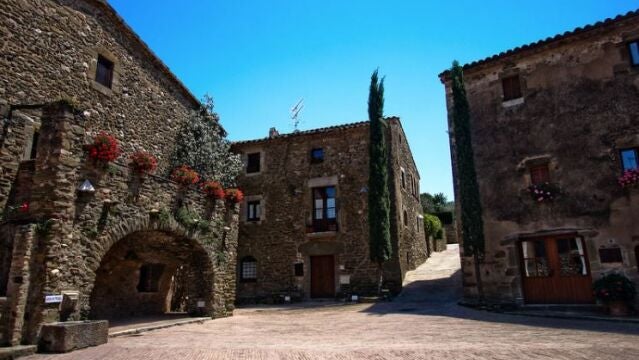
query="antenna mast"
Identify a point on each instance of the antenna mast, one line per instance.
(295, 112)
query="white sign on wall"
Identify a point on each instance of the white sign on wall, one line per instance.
(344, 279)
(201, 304)
(53, 299)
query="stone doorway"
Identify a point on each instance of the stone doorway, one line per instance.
(152, 273)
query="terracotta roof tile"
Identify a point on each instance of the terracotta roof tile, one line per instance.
(549, 40)
(306, 132)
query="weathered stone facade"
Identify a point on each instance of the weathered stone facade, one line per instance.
(576, 110)
(95, 248)
(284, 239)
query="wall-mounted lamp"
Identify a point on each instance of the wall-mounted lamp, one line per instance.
(86, 187)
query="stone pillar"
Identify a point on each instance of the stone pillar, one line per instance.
(53, 199)
(19, 282)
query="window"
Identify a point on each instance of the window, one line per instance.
(104, 71)
(324, 209)
(629, 159)
(539, 174)
(637, 256)
(317, 156)
(610, 255)
(405, 218)
(150, 275)
(253, 211)
(248, 269)
(535, 258)
(633, 47)
(403, 178)
(253, 163)
(299, 269)
(34, 145)
(572, 258)
(511, 87)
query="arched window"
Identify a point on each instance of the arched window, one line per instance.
(248, 269)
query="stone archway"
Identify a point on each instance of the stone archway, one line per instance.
(153, 272)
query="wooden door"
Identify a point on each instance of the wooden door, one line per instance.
(556, 270)
(322, 276)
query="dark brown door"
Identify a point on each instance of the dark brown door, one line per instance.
(555, 270)
(322, 276)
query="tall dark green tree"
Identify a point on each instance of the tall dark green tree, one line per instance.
(378, 191)
(471, 213)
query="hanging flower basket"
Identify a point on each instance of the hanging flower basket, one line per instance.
(104, 149)
(629, 178)
(185, 176)
(213, 190)
(143, 163)
(234, 196)
(544, 192)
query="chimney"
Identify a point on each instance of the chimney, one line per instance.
(272, 132)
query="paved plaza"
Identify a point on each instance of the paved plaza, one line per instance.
(423, 323)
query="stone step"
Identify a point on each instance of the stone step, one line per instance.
(14, 352)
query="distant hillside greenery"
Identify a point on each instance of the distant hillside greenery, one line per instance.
(437, 211)
(437, 203)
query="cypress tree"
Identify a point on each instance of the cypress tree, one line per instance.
(471, 213)
(378, 192)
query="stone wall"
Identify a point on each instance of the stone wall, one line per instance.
(74, 231)
(49, 52)
(578, 109)
(412, 249)
(281, 238)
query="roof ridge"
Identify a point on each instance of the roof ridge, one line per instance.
(306, 132)
(549, 40)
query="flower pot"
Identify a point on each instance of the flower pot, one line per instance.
(618, 308)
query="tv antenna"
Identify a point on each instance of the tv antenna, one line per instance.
(295, 113)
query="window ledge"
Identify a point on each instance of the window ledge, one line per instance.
(321, 234)
(512, 102)
(101, 88)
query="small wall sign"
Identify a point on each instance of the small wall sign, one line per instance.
(201, 304)
(53, 299)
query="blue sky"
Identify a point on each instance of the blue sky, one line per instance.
(257, 58)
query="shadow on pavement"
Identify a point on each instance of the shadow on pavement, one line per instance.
(439, 298)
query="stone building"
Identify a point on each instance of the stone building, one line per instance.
(554, 127)
(303, 224)
(78, 240)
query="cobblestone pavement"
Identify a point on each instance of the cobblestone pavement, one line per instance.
(423, 323)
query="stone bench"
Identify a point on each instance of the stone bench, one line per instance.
(63, 337)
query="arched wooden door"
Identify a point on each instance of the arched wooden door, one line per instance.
(555, 270)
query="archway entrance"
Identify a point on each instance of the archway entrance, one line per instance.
(152, 273)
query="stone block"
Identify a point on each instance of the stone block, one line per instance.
(63, 337)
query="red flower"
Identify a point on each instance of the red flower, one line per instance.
(143, 162)
(213, 189)
(104, 148)
(185, 176)
(24, 208)
(234, 195)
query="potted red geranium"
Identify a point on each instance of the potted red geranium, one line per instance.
(234, 196)
(629, 178)
(213, 190)
(143, 163)
(616, 291)
(185, 176)
(544, 192)
(105, 148)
